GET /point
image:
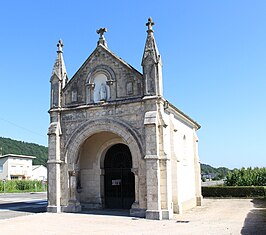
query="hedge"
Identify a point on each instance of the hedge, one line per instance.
(234, 191)
(22, 186)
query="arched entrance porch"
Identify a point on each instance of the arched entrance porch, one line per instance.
(86, 151)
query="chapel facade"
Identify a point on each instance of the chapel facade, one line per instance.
(116, 142)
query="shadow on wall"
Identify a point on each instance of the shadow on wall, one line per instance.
(255, 222)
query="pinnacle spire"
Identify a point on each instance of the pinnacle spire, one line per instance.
(151, 49)
(59, 68)
(152, 64)
(102, 40)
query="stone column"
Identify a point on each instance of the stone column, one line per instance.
(73, 203)
(152, 167)
(90, 89)
(102, 173)
(165, 167)
(166, 188)
(112, 94)
(153, 188)
(54, 184)
(72, 186)
(135, 208)
(135, 172)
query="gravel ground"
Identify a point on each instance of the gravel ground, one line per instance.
(216, 216)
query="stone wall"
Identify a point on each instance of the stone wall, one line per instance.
(121, 80)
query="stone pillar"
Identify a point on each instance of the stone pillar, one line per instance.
(152, 167)
(102, 173)
(73, 203)
(165, 166)
(54, 184)
(135, 208)
(112, 90)
(166, 188)
(90, 90)
(135, 172)
(153, 188)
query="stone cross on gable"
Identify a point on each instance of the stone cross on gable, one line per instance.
(101, 31)
(150, 23)
(60, 46)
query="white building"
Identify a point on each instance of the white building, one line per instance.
(39, 172)
(14, 166)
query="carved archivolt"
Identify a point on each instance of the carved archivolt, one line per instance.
(101, 69)
(121, 129)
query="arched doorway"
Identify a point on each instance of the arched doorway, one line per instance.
(119, 184)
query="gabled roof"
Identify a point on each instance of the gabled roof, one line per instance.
(184, 116)
(100, 46)
(17, 156)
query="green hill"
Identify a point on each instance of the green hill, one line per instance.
(8, 145)
(41, 153)
(219, 172)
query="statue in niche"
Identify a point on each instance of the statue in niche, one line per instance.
(103, 92)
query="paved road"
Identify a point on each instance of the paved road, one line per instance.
(19, 204)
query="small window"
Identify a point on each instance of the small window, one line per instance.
(1, 168)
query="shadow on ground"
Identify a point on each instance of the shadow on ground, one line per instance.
(24, 207)
(113, 212)
(255, 222)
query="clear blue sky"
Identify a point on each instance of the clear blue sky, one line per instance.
(214, 58)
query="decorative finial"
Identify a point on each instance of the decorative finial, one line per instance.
(60, 46)
(150, 23)
(101, 32)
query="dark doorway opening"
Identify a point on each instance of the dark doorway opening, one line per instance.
(119, 182)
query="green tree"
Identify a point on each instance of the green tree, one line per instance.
(246, 177)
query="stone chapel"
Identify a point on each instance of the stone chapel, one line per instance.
(115, 141)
